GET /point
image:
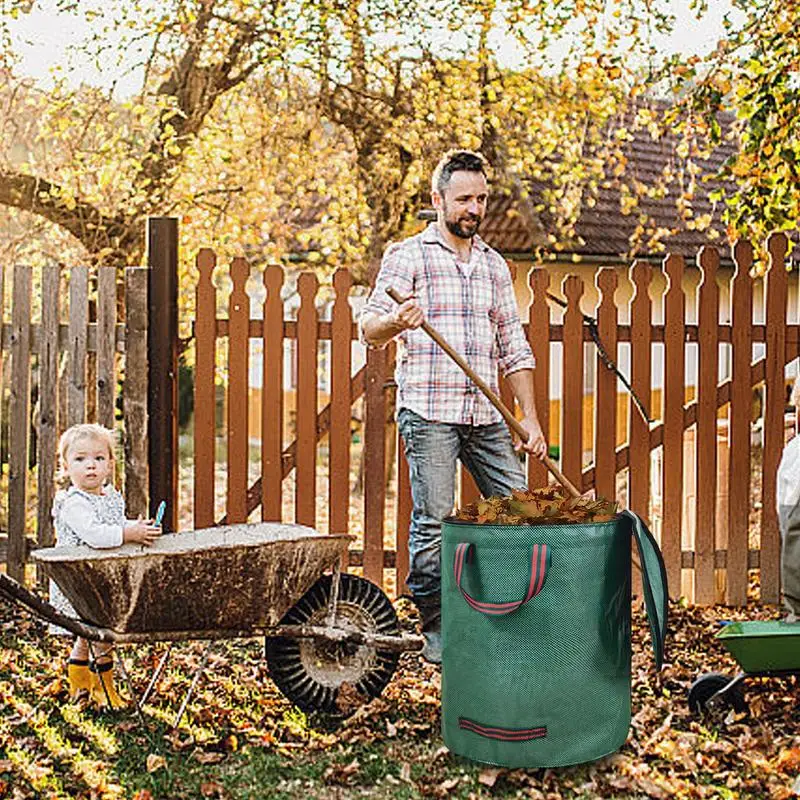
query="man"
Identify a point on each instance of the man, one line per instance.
(464, 289)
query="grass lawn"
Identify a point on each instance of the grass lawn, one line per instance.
(241, 739)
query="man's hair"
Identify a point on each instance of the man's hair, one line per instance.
(457, 161)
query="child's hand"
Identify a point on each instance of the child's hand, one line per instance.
(143, 531)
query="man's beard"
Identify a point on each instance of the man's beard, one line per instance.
(455, 227)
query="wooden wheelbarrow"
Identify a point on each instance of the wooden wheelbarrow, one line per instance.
(324, 629)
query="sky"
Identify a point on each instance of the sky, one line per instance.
(42, 40)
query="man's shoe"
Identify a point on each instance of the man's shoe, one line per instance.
(432, 650)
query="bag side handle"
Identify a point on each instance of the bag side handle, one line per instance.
(540, 564)
(654, 583)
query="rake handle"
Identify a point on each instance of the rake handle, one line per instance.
(512, 421)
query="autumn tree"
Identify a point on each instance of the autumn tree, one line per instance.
(753, 74)
(313, 126)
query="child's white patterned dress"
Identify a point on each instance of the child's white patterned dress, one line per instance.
(82, 519)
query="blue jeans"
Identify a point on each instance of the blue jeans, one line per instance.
(432, 449)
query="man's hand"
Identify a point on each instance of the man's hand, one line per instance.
(380, 329)
(536, 444)
(407, 315)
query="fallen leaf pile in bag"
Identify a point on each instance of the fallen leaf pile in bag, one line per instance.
(546, 505)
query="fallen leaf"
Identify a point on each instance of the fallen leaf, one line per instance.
(143, 794)
(348, 698)
(789, 760)
(488, 777)
(155, 762)
(212, 789)
(203, 757)
(391, 730)
(405, 772)
(338, 773)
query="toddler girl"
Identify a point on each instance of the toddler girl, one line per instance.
(91, 513)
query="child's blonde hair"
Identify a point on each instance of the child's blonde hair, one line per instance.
(85, 430)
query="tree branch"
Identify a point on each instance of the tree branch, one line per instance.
(95, 230)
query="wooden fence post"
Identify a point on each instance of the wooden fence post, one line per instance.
(162, 353)
(48, 405)
(134, 391)
(19, 421)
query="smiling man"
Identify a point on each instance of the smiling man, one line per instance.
(462, 287)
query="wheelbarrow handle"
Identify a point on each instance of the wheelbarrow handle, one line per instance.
(512, 421)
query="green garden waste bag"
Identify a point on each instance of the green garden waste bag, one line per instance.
(536, 638)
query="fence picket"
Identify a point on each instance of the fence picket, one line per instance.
(374, 455)
(741, 409)
(641, 359)
(205, 348)
(403, 517)
(272, 398)
(339, 438)
(48, 403)
(674, 399)
(572, 383)
(306, 485)
(78, 319)
(19, 421)
(106, 344)
(707, 378)
(238, 360)
(605, 412)
(539, 340)
(775, 406)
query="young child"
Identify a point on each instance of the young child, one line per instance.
(91, 513)
(788, 499)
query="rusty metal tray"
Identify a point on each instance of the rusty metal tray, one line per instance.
(235, 577)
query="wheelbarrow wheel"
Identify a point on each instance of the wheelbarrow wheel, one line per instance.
(313, 673)
(707, 685)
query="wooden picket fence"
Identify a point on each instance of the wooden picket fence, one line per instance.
(724, 550)
(68, 337)
(65, 345)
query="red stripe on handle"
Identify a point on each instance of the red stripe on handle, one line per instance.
(540, 561)
(502, 734)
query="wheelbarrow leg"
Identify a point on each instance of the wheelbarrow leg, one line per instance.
(156, 675)
(200, 669)
(333, 600)
(126, 678)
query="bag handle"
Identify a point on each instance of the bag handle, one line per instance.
(540, 563)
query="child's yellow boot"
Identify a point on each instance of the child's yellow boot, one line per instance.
(79, 678)
(103, 691)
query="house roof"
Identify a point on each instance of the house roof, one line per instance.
(603, 229)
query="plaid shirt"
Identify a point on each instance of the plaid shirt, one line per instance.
(472, 305)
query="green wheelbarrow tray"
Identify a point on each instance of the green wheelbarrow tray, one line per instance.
(762, 648)
(763, 645)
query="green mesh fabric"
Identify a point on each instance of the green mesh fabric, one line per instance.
(561, 662)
